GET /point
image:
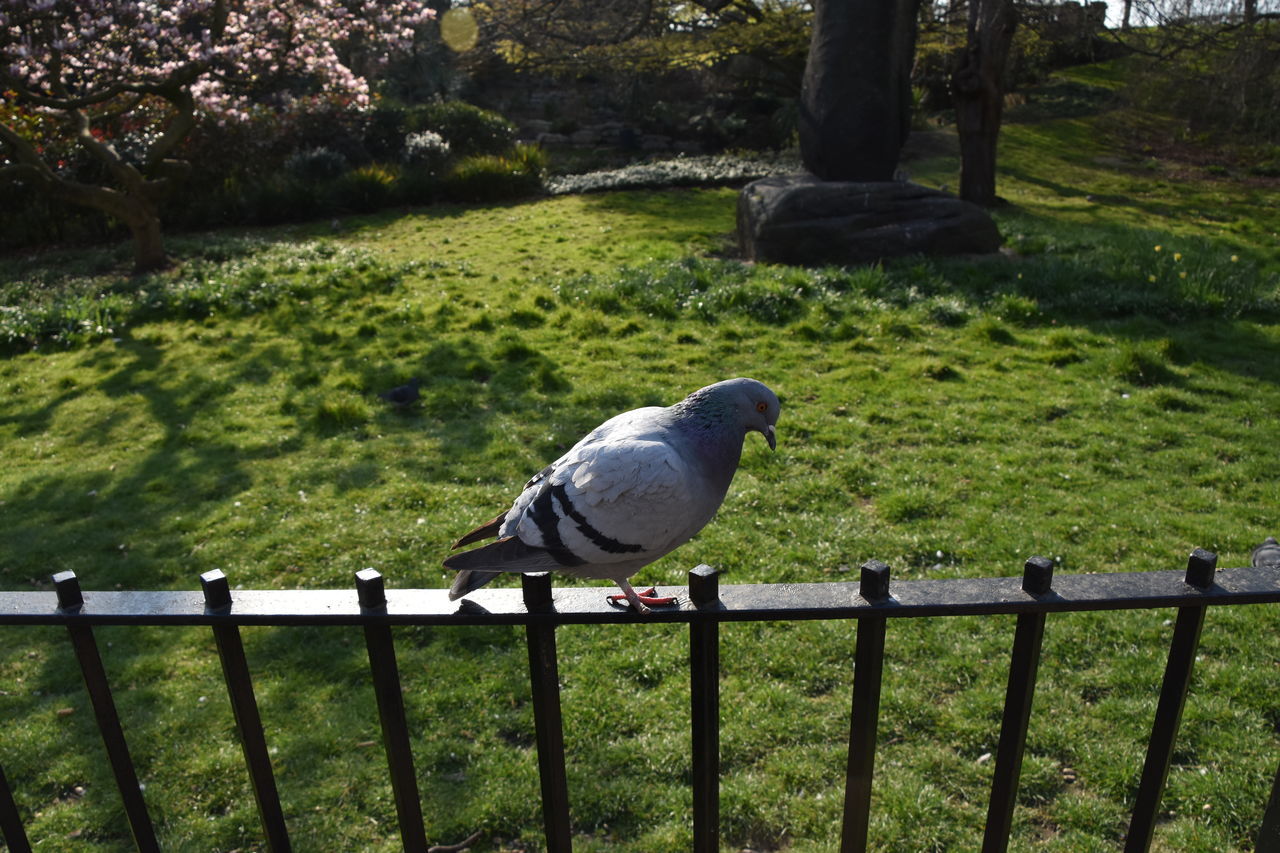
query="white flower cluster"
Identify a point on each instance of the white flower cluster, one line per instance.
(426, 149)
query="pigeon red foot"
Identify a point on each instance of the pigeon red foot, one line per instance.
(643, 600)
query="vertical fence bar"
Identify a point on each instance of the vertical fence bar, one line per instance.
(868, 666)
(544, 681)
(71, 599)
(1037, 578)
(704, 700)
(15, 835)
(395, 731)
(244, 705)
(1173, 696)
(1269, 834)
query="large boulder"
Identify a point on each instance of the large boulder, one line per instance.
(802, 220)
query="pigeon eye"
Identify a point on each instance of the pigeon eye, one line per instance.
(762, 407)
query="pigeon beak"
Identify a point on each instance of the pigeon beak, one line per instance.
(770, 437)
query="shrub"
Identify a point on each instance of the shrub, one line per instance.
(490, 177)
(316, 164)
(427, 151)
(419, 186)
(276, 198)
(29, 217)
(468, 129)
(384, 132)
(365, 189)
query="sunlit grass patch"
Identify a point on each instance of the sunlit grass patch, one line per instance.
(951, 417)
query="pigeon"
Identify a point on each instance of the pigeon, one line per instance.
(633, 489)
(403, 396)
(1266, 554)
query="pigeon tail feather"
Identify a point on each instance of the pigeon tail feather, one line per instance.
(469, 580)
(479, 566)
(508, 554)
(485, 531)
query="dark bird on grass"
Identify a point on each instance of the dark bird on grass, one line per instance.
(632, 490)
(1266, 554)
(403, 396)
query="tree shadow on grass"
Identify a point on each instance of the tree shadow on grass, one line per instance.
(1155, 210)
(142, 520)
(1204, 301)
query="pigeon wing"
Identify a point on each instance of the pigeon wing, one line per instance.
(610, 501)
(618, 499)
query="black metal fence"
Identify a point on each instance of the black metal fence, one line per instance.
(703, 605)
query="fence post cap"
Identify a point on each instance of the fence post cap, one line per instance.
(874, 583)
(370, 588)
(1037, 575)
(536, 587)
(67, 585)
(217, 590)
(704, 585)
(1201, 566)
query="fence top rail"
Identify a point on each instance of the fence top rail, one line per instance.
(583, 605)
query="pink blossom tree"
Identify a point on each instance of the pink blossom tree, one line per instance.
(68, 68)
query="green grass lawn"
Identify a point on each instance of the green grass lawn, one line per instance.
(1086, 396)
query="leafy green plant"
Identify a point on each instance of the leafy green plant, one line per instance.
(316, 164)
(365, 189)
(469, 130)
(426, 151)
(491, 177)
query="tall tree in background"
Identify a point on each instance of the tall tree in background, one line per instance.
(978, 87)
(71, 69)
(1213, 67)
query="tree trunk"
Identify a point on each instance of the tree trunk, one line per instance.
(148, 241)
(138, 214)
(978, 85)
(1128, 10)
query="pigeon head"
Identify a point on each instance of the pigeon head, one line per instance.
(744, 401)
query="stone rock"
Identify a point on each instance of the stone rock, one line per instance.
(799, 219)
